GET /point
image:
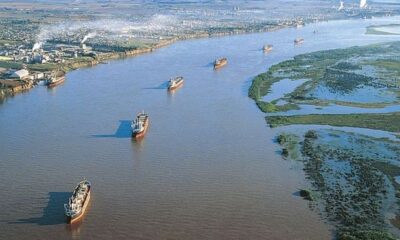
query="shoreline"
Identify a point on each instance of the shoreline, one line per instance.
(102, 57)
(25, 86)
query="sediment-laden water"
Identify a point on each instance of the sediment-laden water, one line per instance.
(207, 169)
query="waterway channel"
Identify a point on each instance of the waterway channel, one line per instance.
(207, 169)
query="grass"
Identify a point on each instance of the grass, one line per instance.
(5, 41)
(270, 107)
(387, 122)
(351, 185)
(4, 58)
(336, 70)
(389, 65)
(8, 64)
(261, 85)
(290, 142)
(389, 170)
(374, 29)
(45, 67)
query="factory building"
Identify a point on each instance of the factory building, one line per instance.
(20, 74)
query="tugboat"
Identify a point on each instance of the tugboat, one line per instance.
(298, 41)
(78, 202)
(55, 79)
(175, 83)
(267, 48)
(220, 63)
(139, 125)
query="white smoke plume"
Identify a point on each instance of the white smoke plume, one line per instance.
(37, 46)
(90, 35)
(156, 24)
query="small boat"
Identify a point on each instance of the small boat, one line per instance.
(299, 41)
(139, 125)
(267, 48)
(175, 83)
(220, 63)
(78, 202)
(55, 79)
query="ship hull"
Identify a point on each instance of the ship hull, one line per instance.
(217, 66)
(179, 84)
(267, 49)
(57, 82)
(76, 218)
(298, 41)
(143, 132)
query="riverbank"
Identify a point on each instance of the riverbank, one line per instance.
(13, 87)
(101, 57)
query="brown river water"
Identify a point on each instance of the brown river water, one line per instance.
(207, 169)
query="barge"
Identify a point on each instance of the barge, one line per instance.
(55, 79)
(298, 41)
(78, 202)
(139, 125)
(220, 63)
(175, 83)
(267, 48)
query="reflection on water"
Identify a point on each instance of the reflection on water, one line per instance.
(74, 229)
(138, 144)
(171, 93)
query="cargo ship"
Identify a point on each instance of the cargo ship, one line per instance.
(220, 63)
(55, 79)
(78, 202)
(139, 125)
(299, 41)
(267, 48)
(175, 83)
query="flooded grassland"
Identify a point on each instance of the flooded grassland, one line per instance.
(366, 77)
(353, 173)
(353, 179)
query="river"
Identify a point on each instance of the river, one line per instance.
(207, 169)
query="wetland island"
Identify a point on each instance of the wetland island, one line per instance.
(354, 177)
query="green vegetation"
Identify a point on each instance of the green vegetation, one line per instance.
(306, 194)
(9, 64)
(269, 107)
(4, 58)
(121, 46)
(375, 29)
(340, 72)
(392, 65)
(385, 121)
(290, 145)
(353, 185)
(261, 85)
(354, 234)
(5, 42)
(45, 67)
